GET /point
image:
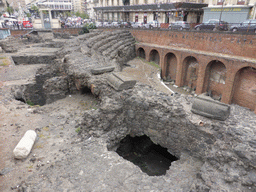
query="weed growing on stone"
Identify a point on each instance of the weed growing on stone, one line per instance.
(29, 102)
(78, 129)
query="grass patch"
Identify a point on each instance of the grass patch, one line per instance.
(29, 102)
(152, 63)
(78, 129)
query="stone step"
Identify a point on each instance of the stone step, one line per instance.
(103, 42)
(112, 40)
(115, 46)
(119, 81)
(122, 47)
(97, 38)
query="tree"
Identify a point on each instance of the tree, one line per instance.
(34, 9)
(9, 9)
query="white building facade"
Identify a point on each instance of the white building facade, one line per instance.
(164, 11)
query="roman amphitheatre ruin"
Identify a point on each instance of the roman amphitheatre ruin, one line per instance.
(112, 111)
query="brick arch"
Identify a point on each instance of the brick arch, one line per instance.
(154, 56)
(244, 90)
(215, 78)
(190, 69)
(170, 66)
(141, 53)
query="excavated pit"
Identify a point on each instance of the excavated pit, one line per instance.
(149, 157)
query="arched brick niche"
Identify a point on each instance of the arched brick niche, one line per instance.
(169, 67)
(141, 53)
(154, 56)
(215, 79)
(245, 88)
(190, 72)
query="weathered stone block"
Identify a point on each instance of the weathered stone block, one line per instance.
(25, 145)
(208, 107)
(120, 82)
(102, 70)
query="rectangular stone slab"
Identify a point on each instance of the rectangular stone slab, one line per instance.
(120, 82)
(208, 107)
(102, 70)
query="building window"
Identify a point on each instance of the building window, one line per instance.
(240, 2)
(219, 2)
(145, 1)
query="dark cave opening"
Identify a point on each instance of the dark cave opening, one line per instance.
(85, 90)
(141, 151)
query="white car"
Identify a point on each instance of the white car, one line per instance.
(152, 24)
(138, 25)
(116, 24)
(106, 24)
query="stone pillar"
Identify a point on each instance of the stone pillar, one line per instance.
(200, 79)
(50, 17)
(42, 18)
(179, 75)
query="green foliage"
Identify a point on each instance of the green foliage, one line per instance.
(86, 27)
(78, 129)
(151, 63)
(29, 102)
(10, 10)
(28, 14)
(67, 14)
(82, 15)
(35, 9)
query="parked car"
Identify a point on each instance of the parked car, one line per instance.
(99, 24)
(138, 25)
(212, 24)
(152, 24)
(125, 24)
(179, 25)
(248, 25)
(28, 25)
(106, 24)
(116, 24)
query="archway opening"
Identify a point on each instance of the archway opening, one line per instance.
(170, 67)
(141, 53)
(141, 151)
(215, 79)
(190, 73)
(154, 56)
(244, 91)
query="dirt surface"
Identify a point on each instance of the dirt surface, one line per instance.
(55, 123)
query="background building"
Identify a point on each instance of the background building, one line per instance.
(164, 11)
(15, 3)
(231, 11)
(79, 6)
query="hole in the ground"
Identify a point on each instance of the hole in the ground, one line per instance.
(85, 90)
(151, 158)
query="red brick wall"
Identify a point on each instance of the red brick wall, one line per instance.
(18, 33)
(225, 43)
(245, 89)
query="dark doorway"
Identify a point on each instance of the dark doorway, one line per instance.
(141, 53)
(151, 158)
(154, 56)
